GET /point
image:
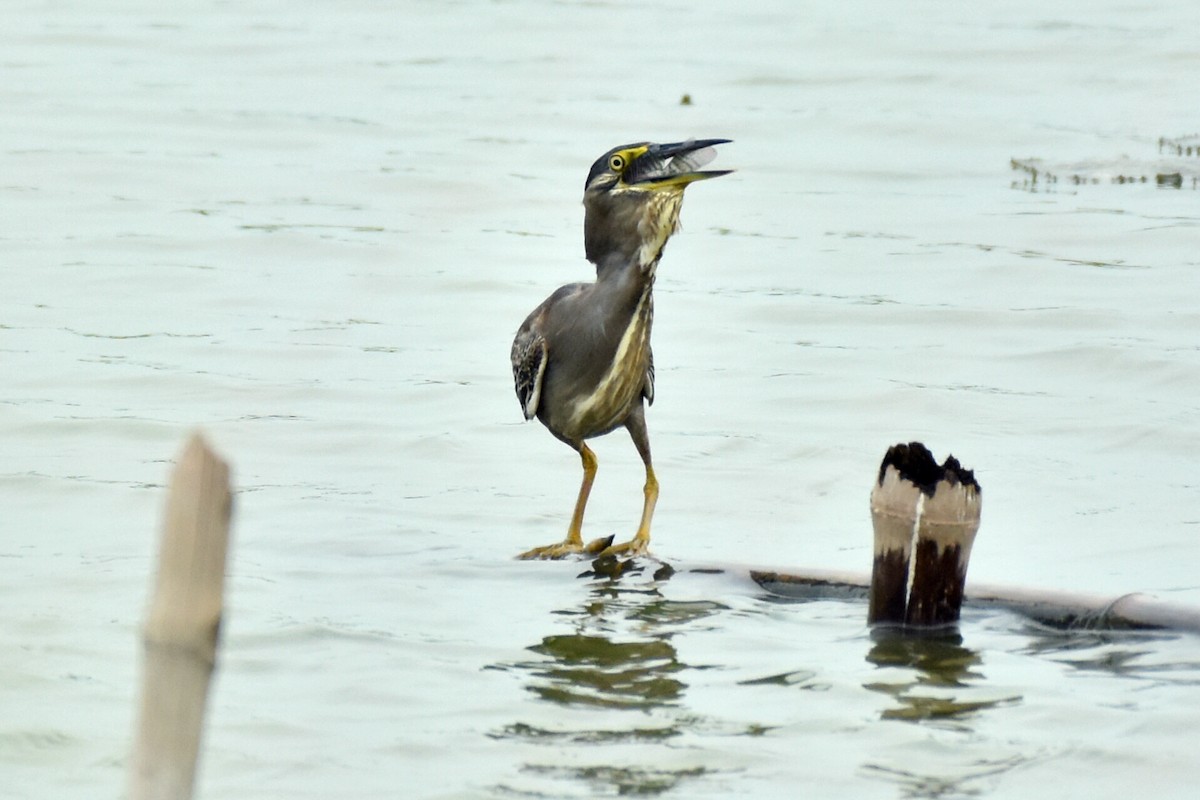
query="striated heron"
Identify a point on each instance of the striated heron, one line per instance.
(581, 360)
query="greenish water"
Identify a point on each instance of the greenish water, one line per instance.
(312, 231)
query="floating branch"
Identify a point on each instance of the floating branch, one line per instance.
(182, 626)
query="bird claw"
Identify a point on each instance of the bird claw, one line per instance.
(598, 546)
(567, 548)
(637, 546)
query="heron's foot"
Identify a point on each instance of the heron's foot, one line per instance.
(568, 548)
(637, 546)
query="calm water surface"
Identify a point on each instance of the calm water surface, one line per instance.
(312, 232)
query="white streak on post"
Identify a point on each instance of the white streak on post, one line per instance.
(912, 547)
(181, 631)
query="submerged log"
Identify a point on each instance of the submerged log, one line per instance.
(925, 518)
(1068, 610)
(1056, 609)
(180, 635)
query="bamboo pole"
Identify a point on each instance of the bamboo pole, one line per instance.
(925, 518)
(181, 631)
(945, 535)
(895, 507)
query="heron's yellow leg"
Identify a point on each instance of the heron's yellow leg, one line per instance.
(640, 543)
(575, 532)
(574, 542)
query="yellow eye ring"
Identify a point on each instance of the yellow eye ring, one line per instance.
(616, 163)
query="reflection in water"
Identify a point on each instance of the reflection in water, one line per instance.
(619, 657)
(802, 678)
(938, 670)
(622, 780)
(938, 661)
(970, 782)
(597, 671)
(520, 730)
(1121, 653)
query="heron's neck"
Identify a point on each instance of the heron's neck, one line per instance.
(624, 232)
(619, 270)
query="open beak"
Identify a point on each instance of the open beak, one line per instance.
(676, 164)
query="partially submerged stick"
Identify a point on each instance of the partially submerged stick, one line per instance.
(925, 519)
(180, 635)
(1054, 608)
(1071, 610)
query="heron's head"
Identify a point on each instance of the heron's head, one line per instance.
(633, 194)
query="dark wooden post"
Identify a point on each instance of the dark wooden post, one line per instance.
(894, 504)
(180, 635)
(925, 518)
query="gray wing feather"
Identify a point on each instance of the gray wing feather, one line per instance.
(528, 365)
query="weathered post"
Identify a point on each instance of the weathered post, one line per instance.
(181, 631)
(895, 501)
(925, 519)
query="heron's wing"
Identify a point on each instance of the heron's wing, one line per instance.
(648, 386)
(528, 365)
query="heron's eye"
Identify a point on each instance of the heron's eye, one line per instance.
(616, 163)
